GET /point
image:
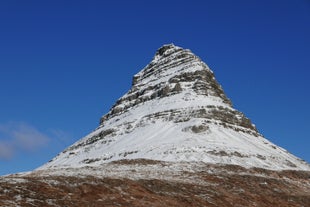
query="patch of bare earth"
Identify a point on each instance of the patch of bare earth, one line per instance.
(214, 186)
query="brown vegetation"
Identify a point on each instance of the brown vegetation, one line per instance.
(227, 186)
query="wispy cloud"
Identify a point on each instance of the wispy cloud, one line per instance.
(20, 137)
(6, 150)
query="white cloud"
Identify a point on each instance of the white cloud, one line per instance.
(16, 136)
(6, 150)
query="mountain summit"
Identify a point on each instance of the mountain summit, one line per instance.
(176, 111)
(174, 139)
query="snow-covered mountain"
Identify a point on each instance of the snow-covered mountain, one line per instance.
(173, 139)
(176, 111)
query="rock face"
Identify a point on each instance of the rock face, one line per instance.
(171, 68)
(176, 111)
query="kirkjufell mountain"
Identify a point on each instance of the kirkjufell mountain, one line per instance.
(176, 111)
(174, 139)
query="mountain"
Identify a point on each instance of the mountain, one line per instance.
(174, 139)
(176, 111)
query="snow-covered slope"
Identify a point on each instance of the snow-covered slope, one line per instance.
(176, 111)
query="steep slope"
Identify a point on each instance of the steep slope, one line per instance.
(176, 111)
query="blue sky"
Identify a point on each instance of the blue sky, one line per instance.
(63, 64)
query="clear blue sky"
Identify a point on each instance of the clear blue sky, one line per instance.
(63, 64)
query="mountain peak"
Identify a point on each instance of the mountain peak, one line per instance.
(163, 49)
(167, 50)
(172, 71)
(176, 111)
